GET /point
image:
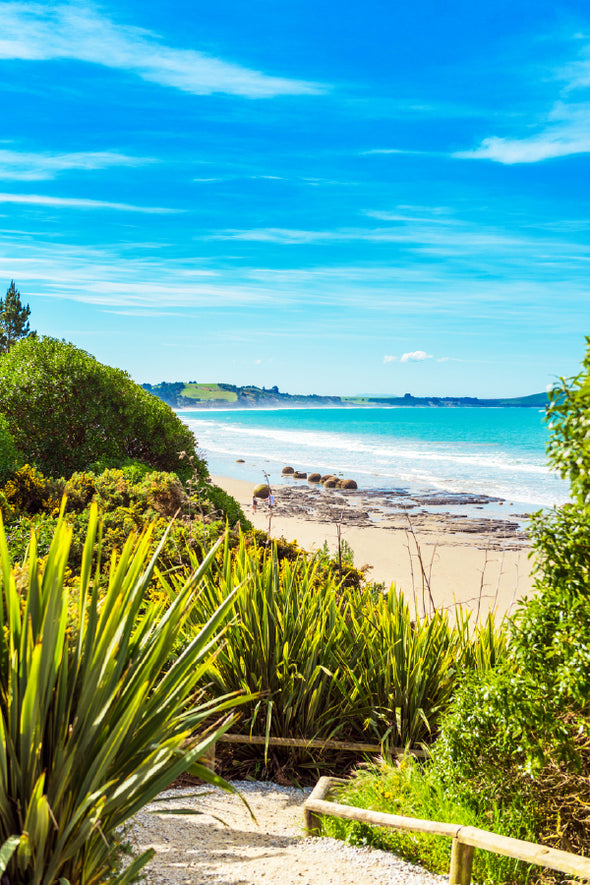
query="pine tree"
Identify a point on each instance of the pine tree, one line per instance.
(14, 319)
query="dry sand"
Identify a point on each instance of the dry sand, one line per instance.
(481, 563)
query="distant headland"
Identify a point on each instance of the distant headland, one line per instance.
(192, 394)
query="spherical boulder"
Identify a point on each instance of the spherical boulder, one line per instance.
(314, 477)
(287, 471)
(240, 461)
(262, 491)
(348, 484)
(326, 476)
(299, 475)
(330, 483)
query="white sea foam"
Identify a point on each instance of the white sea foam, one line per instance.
(515, 471)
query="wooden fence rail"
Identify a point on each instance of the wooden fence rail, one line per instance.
(305, 743)
(465, 839)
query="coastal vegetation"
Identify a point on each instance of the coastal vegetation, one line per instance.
(97, 715)
(111, 616)
(331, 659)
(513, 751)
(66, 412)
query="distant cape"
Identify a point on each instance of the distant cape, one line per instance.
(192, 394)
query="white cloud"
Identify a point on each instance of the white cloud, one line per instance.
(29, 166)
(562, 131)
(416, 356)
(105, 277)
(75, 203)
(77, 30)
(559, 143)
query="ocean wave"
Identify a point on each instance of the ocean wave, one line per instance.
(515, 470)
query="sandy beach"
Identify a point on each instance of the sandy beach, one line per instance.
(478, 562)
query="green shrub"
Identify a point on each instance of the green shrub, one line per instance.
(67, 411)
(80, 490)
(9, 457)
(96, 718)
(518, 738)
(164, 493)
(28, 491)
(31, 501)
(410, 789)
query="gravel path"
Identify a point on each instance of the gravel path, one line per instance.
(195, 849)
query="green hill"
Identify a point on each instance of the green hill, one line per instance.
(183, 395)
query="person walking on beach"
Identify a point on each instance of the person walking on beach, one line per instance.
(271, 501)
(254, 503)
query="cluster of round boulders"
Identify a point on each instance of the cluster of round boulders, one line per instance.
(333, 482)
(262, 491)
(329, 481)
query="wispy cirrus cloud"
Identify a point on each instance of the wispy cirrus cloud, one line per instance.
(419, 233)
(30, 166)
(77, 203)
(566, 132)
(109, 279)
(132, 281)
(77, 30)
(563, 130)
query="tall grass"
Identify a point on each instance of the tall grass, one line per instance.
(96, 717)
(334, 662)
(413, 790)
(287, 642)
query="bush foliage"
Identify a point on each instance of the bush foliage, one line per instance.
(521, 736)
(514, 750)
(66, 411)
(9, 456)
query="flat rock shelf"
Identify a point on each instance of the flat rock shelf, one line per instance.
(224, 845)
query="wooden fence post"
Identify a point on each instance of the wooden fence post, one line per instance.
(461, 863)
(312, 821)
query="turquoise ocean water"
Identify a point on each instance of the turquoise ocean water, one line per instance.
(497, 452)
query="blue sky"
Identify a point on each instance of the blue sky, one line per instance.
(336, 198)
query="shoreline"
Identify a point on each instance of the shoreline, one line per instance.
(435, 558)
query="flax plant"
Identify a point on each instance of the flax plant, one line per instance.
(96, 718)
(334, 662)
(408, 667)
(287, 643)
